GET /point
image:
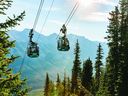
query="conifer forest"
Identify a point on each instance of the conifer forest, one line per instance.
(63, 64)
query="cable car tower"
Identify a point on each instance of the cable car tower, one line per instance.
(63, 42)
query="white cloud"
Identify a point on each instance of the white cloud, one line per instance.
(95, 17)
(106, 2)
(90, 2)
(94, 10)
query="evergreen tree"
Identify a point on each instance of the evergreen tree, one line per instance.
(65, 85)
(113, 56)
(87, 75)
(68, 84)
(10, 83)
(123, 66)
(76, 71)
(117, 61)
(58, 79)
(52, 89)
(59, 86)
(47, 86)
(102, 87)
(98, 65)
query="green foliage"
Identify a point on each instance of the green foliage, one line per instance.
(113, 56)
(123, 49)
(65, 85)
(102, 87)
(68, 85)
(87, 74)
(10, 84)
(49, 89)
(58, 79)
(98, 65)
(117, 61)
(47, 86)
(4, 5)
(59, 86)
(64, 88)
(76, 71)
(12, 22)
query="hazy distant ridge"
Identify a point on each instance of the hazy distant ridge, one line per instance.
(50, 60)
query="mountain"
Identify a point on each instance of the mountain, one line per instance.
(50, 60)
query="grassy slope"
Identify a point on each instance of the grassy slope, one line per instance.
(37, 92)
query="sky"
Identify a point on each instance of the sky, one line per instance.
(90, 19)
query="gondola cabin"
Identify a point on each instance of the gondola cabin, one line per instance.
(63, 44)
(33, 50)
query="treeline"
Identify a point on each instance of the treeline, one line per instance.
(82, 82)
(99, 80)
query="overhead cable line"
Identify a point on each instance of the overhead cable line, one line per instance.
(72, 13)
(31, 32)
(46, 18)
(38, 14)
